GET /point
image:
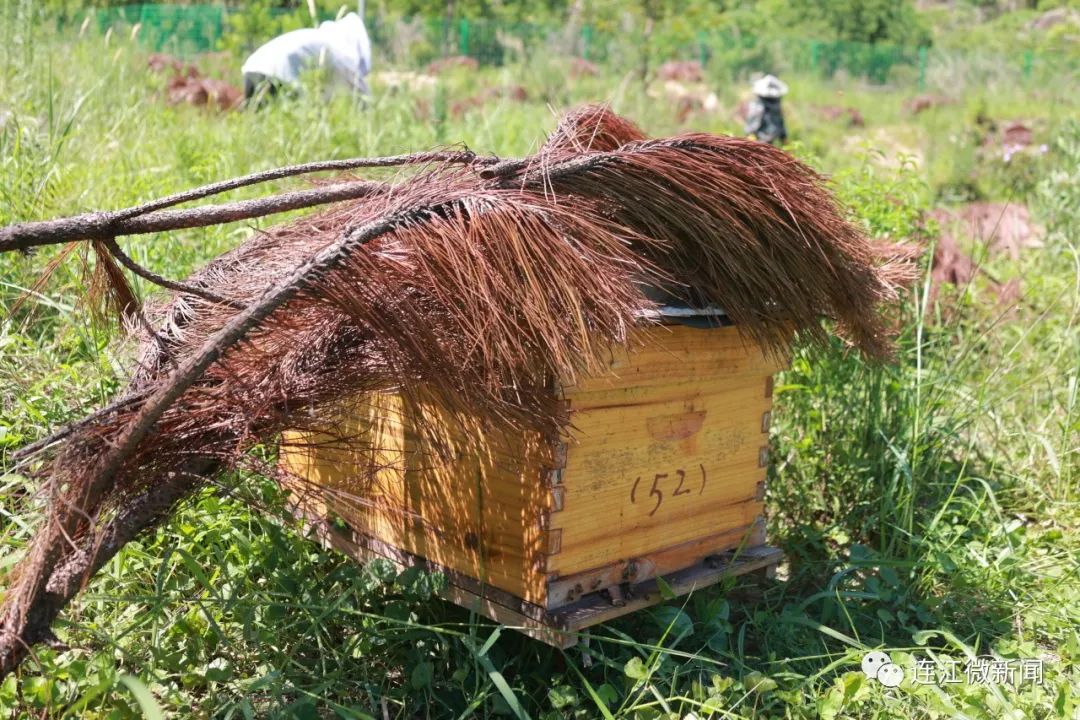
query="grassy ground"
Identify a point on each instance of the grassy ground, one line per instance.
(928, 507)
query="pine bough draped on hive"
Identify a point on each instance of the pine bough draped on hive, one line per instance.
(471, 283)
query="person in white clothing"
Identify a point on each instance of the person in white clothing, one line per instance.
(765, 119)
(341, 46)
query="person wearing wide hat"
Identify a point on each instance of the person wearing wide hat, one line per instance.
(765, 118)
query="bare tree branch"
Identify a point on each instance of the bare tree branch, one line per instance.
(103, 225)
(123, 403)
(143, 512)
(454, 156)
(126, 261)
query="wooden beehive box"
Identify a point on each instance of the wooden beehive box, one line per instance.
(662, 475)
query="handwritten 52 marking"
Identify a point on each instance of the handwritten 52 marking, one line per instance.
(657, 492)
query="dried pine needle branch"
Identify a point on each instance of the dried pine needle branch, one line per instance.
(467, 284)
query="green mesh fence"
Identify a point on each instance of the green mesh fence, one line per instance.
(183, 30)
(187, 30)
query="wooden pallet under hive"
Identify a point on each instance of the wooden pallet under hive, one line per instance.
(662, 475)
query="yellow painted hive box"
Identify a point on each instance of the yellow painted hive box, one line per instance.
(662, 475)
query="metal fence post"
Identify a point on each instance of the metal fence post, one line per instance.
(923, 52)
(1029, 58)
(703, 48)
(463, 37)
(586, 40)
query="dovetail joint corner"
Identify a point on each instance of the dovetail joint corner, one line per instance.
(558, 498)
(554, 541)
(558, 459)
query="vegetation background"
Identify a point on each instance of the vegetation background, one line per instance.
(928, 507)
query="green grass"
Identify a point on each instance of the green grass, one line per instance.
(927, 506)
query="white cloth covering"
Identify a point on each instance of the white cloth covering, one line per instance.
(342, 46)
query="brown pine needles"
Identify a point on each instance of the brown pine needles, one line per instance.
(470, 283)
